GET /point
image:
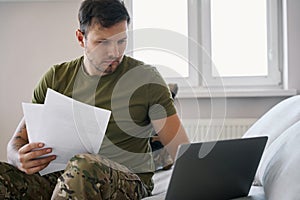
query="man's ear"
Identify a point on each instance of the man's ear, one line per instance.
(80, 37)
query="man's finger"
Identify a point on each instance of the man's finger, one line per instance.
(29, 147)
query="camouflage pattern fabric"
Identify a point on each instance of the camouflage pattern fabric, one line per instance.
(86, 177)
(14, 184)
(95, 177)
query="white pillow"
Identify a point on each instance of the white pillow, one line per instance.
(273, 124)
(280, 169)
(277, 120)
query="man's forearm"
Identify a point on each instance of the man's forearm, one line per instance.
(171, 133)
(18, 140)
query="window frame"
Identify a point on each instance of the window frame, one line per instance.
(199, 32)
(275, 46)
(193, 78)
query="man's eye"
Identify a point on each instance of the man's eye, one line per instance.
(104, 42)
(122, 41)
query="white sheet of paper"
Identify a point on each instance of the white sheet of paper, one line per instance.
(68, 126)
(33, 114)
(87, 121)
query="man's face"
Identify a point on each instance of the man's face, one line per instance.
(104, 48)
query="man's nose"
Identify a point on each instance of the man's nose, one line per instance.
(113, 51)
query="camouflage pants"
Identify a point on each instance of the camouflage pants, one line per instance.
(86, 177)
(15, 184)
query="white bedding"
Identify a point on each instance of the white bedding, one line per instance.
(161, 182)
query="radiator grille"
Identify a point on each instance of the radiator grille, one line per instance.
(216, 129)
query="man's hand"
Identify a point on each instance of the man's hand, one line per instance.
(29, 157)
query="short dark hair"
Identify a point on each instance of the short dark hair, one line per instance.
(105, 12)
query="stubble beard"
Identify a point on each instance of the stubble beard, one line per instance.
(101, 67)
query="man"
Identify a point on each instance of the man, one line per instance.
(104, 77)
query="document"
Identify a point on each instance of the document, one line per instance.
(68, 126)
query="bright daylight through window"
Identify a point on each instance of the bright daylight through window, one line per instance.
(146, 14)
(242, 38)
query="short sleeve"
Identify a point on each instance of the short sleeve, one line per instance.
(40, 90)
(160, 99)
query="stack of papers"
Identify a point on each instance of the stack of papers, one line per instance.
(68, 126)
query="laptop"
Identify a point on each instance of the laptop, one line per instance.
(217, 170)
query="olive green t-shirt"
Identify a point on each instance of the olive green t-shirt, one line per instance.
(135, 93)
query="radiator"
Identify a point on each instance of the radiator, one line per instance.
(216, 129)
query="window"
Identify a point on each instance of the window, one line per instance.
(163, 35)
(176, 21)
(243, 38)
(221, 42)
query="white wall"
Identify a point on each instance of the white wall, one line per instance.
(33, 37)
(36, 35)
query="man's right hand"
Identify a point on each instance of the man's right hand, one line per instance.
(28, 157)
(30, 160)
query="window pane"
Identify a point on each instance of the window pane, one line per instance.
(239, 37)
(162, 14)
